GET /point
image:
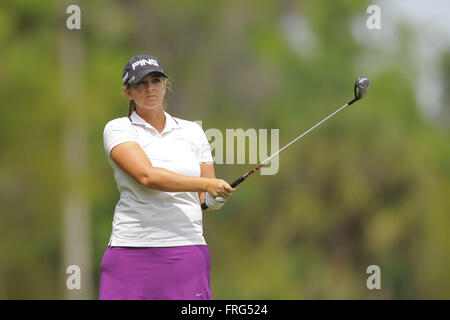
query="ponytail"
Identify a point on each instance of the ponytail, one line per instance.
(132, 107)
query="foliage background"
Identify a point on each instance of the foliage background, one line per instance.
(369, 187)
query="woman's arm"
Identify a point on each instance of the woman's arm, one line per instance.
(207, 171)
(130, 157)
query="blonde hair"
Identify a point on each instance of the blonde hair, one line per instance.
(131, 108)
(132, 105)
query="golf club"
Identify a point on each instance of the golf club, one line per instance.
(361, 86)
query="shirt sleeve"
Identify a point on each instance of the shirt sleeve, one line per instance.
(203, 149)
(116, 132)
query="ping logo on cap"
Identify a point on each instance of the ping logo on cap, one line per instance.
(143, 62)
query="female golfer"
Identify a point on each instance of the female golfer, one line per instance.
(162, 167)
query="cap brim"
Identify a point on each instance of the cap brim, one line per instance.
(142, 73)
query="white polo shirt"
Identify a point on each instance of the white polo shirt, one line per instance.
(145, 217)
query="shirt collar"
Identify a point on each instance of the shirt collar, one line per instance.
(171, 123)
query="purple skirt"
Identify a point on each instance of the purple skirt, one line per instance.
(169, 273)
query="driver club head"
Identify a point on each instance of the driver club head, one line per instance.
(361, 86)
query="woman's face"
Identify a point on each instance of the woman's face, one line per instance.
(149, 92)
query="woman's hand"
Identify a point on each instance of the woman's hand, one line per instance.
(219, 188)
(214, 203)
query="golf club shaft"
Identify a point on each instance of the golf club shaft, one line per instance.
(241, 179)
(245, 176)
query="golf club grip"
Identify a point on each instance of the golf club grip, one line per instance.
(233, 185)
